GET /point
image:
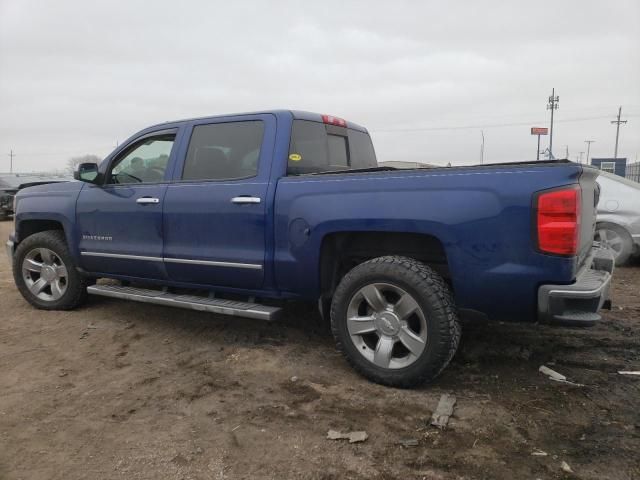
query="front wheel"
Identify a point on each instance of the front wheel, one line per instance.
(45, 274)
(394, 319)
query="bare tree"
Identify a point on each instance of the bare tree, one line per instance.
(72, 163)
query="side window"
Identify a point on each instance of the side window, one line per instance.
(145, 162)
(224, 151)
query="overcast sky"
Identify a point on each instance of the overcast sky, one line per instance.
(425, 76)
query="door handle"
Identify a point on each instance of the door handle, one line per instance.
(147, 200)
(245, 200)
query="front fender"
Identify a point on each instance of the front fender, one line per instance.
(49, 203)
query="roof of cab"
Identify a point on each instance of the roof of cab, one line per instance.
(296, 114)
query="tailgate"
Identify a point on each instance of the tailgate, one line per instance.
(590, 193)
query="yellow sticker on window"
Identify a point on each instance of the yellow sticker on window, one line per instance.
(295, 157)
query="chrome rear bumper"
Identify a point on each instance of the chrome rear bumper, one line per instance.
(578, 304)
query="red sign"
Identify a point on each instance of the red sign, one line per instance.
(539, 131)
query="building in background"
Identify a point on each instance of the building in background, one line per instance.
(633, 172)
(617, 166)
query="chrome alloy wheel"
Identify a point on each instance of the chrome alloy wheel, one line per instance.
(386, 325)
(610, 239)
(45, 274)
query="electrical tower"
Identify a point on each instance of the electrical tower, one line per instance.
(618, 122)
(11, 155)
(552, 105)
(588, 142)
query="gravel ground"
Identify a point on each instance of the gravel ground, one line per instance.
(125, 390)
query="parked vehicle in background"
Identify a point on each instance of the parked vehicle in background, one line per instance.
(11, 183)
(618, 221)
(280, 205)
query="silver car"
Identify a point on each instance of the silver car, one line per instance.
(618, 221)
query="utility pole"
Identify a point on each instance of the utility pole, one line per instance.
(588, 142)
(552, 105)
(581, 153)
(618, 122)
(566, 152)
(482, 148)
(11, 155)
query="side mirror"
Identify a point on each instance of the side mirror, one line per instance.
(87, 172)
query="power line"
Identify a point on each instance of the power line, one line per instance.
(490, 125)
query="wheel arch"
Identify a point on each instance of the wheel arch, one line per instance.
(341, 251)
(26, 228)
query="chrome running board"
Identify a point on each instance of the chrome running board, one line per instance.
(192, 302)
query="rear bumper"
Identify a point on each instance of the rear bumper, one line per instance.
(578, 304)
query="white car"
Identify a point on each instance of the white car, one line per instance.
(618, 221)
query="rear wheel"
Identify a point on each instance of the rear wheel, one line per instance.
(394, 319)
(617, 239)
(45, 274)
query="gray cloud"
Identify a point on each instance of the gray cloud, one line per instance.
(75, 77)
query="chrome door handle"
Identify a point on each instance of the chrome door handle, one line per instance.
(147, 200)
(242, 200)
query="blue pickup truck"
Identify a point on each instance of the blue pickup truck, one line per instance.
(237, 214)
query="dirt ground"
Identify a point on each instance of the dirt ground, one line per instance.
(126, 390)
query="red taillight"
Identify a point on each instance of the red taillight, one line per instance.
(331, 120)
(559, 221)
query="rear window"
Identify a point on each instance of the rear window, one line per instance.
(316, 147)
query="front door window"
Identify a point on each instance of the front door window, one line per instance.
(145, 162)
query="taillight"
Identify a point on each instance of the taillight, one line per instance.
(558, 221)
(331, 120)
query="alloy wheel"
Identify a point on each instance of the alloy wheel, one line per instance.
(387, 325)
(45, 274)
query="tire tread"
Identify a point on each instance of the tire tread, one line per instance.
(435, 291)
(77, 287)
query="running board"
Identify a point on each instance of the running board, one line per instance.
(192, 302)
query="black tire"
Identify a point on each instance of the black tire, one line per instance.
(622, 250)
(433, 296)
(76, 284)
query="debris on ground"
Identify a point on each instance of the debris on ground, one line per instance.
(539, 453)
(440, 417)
(623, 372)
(408, 442)
(565, 467)
(557, 377)
(353, 437)
(294, 379)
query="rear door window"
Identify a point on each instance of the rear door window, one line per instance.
(224, 151)
(316, 147)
